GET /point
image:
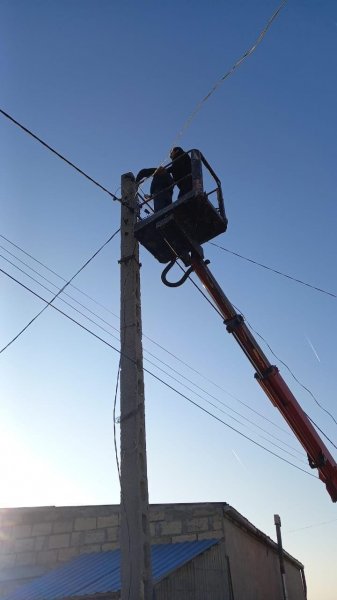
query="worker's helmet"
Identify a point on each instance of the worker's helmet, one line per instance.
(175, 152)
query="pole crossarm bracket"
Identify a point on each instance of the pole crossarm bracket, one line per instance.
(126, 259)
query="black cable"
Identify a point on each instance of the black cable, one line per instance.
(297, 380)
(162, 362)
(151, 339)
(92, 312)
(56, 274)
(158, 378)
(321, 430)
(230, 416)
(220, 314)
(119, 471)
(237, 64)
(144, 335)
(293, 375)
(289, 277)
(71, 164)
(165, 372)
(274, 270)
(311, 526)
(217, 386)
(217, 400)
(58, 293)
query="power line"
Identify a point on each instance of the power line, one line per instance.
(66, 160)
(56, 274)
(295, 378)
(237, 63)
(169, 386)
(322, 432)
(274, 270)
(230, 71)
(109, 333)
(293, 375)
(119, 470)
(58, 293)
(313, 525)
(177, 358)
(165, 372)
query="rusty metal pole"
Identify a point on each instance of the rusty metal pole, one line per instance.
(136, 576)
(277, 522)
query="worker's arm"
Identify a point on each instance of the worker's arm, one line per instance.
(144, 173)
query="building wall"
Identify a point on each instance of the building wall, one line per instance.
(34, 540)
(259, 563)
(203, 578)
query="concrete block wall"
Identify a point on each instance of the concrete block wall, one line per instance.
(46, 536)
(35, 540)
(185, 522)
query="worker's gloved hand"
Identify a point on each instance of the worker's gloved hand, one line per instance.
(144, 174)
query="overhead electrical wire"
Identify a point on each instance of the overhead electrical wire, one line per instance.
(66, 160)
(237, 63)
(55, 273)
(119, 472)
(303, 386)
(59, 292)
(177, 358)
(187, 123)
(294, 376)
(312, 526)
(221, 316)
(169, 386)
(197, 287)
(217, 84)
(168, 374)
(290, 371)
(274, 270)
(282, 362)
(277, 272)
(261, 337)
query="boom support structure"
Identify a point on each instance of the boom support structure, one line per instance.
(271, 381)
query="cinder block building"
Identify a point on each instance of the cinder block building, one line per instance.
(200, 551)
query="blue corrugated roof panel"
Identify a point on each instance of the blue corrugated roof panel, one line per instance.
(100, 572)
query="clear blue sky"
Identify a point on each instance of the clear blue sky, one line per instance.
(109, 84)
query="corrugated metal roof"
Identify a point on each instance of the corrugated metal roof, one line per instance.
(100, 572)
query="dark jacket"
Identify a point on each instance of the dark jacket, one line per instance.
(161, 186)
(181, 170)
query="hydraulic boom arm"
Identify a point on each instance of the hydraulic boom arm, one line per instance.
(271, 381)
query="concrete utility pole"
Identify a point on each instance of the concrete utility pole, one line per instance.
(136, 574)
(277, 521)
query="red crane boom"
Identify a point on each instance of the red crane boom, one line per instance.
(271, 381)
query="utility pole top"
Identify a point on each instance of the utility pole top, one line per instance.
(129, 176)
